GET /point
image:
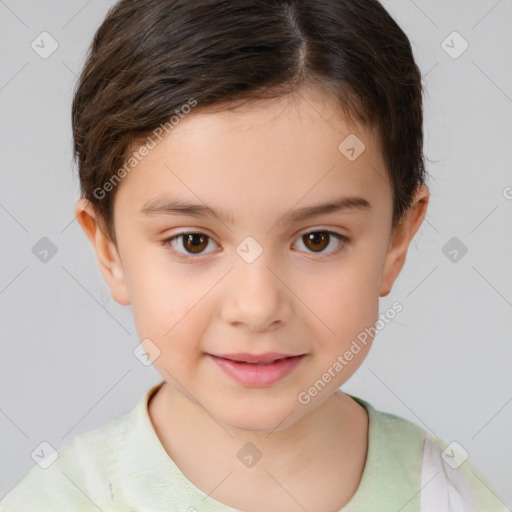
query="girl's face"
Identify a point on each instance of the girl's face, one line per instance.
(284, 248)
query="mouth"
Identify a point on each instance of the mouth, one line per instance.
(254, 370)
(267, 358)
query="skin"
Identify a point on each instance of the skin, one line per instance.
(257, 164)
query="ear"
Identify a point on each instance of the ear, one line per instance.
(402, 237)
(106, 251)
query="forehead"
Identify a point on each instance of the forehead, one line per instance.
(273, 152)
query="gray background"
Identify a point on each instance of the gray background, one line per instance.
(67, 362)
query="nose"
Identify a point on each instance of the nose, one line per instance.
(256, 297)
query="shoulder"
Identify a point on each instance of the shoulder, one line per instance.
(394, 437)
(450, 479)
(444, 477)
(77, 479)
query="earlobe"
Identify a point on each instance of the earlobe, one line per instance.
(106, 251)
(401, 239)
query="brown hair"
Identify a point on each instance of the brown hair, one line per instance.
(149, 59)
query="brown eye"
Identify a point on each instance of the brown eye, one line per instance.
(195, 242)
(316, 241)
(191, 243)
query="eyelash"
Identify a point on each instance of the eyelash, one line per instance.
(168, 242)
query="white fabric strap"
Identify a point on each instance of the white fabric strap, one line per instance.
(443, 488)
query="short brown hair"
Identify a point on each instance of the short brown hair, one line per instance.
(148, 59)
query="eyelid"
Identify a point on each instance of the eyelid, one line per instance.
(315, 228)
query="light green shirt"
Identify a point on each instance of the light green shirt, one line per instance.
(122, 466)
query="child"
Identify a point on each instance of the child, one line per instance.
(218, 144)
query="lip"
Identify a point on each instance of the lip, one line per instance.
(245, 357)
(259, 373)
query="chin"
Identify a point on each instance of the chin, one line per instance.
(257, 416)
(255, 424)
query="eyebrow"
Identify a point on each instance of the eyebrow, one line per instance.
(169, 206)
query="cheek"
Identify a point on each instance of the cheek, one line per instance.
(166, 301)
(346, 309)
(345, 300)
(172, 317)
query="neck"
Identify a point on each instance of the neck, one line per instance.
(329, 443)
